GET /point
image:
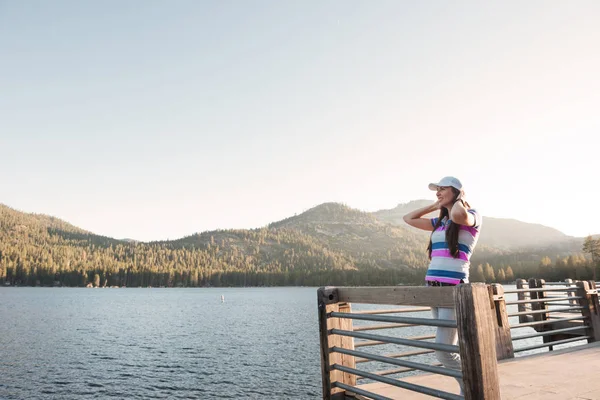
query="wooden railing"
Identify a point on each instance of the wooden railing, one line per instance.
(475, 322)
(560, 312)
(482, 322)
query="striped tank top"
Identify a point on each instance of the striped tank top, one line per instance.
(443, 266)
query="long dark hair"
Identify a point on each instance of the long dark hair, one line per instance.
(451, 231)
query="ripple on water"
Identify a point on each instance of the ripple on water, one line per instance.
(163, 344)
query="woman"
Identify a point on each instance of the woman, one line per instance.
(454, 236)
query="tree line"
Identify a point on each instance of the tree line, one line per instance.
(44, 251)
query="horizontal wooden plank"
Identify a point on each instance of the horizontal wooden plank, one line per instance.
(399, 295)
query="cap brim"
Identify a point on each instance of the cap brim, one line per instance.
(433, 186)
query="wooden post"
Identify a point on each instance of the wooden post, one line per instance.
(589, 301)
(328, 298)
(569, 283)
(540, 284)
(476, 336)
(345, 342)
(533, 284)
(594, 305)
(504, 345)
(522, 284)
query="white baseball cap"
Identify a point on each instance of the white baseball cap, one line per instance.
(446, 181)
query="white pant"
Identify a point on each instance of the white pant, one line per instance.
(447, 336)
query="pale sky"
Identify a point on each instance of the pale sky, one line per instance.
(158, 119)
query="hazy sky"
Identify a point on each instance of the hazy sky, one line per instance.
(158, 119)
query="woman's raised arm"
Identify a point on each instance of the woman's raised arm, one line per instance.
(413, 218)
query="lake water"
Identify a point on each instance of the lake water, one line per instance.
(261, 343)
(68, 343)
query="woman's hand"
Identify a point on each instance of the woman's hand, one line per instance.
(459, 213)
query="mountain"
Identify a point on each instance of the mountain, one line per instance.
(395, 214)
(496, 232)
(360, 235)
(14, 220)
(510, 233)
(327, 213)
(329, 228)
(328, 244)
(40, 228)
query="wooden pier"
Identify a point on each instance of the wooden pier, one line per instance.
(559, 313)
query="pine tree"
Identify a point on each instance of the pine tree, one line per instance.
(477, 275)
(501, 276)
(490, 276)
(510, 276)
(592, 246)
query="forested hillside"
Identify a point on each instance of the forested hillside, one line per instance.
(330, 244)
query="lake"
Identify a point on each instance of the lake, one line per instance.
(75, 343)
(71, 343)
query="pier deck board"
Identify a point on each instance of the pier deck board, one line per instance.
(570, 373)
